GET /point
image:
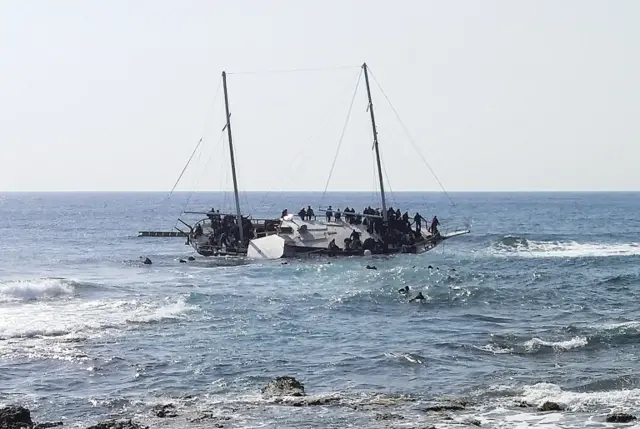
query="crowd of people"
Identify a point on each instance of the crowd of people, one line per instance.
(397, 231)
(225, 230)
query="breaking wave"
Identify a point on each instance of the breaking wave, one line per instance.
(520, 246)
(37, 289)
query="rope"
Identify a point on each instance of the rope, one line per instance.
(344, 129)
(406, 131)
(185, 167)
(292, 70)
(286, 179)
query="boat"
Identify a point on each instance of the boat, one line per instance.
(381, 231)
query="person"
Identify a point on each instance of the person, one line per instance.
(418, 221)
(419, 297)
(434, 225)
(337, 215)
(310, 213)
(198, 231)
(302, 213)
(329, 214)
(285, 213)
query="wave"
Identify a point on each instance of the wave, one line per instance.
(37, 289)
(87, 319)
(536, 344)
(520, 246)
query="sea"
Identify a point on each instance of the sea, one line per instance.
(540, 302)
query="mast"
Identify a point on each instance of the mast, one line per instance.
(375, 143)
(233, 164)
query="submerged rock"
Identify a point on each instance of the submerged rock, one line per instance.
(388, 416)
(167, 410)
(620, 418)
(551, 406)
(47, 425)
(284, 386)
(15, 417)
(118, 424)
(445, 406)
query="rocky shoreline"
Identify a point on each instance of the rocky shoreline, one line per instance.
(286, 391)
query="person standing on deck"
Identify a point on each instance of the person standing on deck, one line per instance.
(434, 225)
(418, 221)
(310, 213)
(329, 214)
(302, 213)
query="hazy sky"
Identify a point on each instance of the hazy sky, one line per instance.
(498, 95)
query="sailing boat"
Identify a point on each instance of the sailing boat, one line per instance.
(350, 234)
(226, 234)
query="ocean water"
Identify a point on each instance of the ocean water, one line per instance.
(539, 303)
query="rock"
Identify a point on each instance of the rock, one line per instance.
(371, 267)
(15, 417)
(167, 410)
(284, 386)
(48, 425)
(550, 406)
(191, 258)
(388, 416)
(450, 406)
(209, 417)
(117, 424)
(620, 418)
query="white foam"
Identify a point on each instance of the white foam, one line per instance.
(496, 350)
(575, 342)
(613, 400)
(91, 318)
(570, 249)
(29, 290)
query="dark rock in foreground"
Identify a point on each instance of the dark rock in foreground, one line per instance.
(167, 410)
(118, 424)
(620, 418)
(551, 406)
(13, 417)
(284, 386)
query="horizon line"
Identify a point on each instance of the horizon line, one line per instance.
(128, 191)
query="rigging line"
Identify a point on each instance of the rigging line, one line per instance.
(204, 133)
(185, 167)
(204, 168)
(393, 197)
(286, 179)
(292, 70)
(344, 129)
(406, 131)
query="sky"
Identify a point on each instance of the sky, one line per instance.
(496, 95)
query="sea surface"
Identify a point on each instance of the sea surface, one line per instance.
(541, 302)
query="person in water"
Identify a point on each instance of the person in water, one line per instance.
(419, 297)
(404, 290)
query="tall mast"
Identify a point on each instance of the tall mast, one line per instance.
(375, 143)
(233, 164)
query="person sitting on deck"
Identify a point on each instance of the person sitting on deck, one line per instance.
(198, 231)
(285, 213)
(329, 214)
(337, 215)
(302, 213)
